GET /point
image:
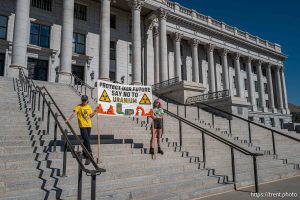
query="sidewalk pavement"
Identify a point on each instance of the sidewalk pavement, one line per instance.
(286, 187)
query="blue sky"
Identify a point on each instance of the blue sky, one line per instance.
(274, 20)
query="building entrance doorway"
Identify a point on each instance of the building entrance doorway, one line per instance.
(78, 71)
(37, 69)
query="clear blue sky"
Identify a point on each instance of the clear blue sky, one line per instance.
(274, 20)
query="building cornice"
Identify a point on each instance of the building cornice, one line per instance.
(199, 20)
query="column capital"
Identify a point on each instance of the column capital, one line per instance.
(224, 52)
(278, 67)
(136, 4)
(249, 59)
(259, 62)
(210, 47)
(177, 36)
(194, 42)
(162, 14)
(269, 65)
(236, 56)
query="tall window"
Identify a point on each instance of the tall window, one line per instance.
(112, 50)
(244, 66)
(267, 104)
(257, 103)
(234, 81)
(256, 86)
(264, 72)
(130, 53)
(78, 43)
(3, 27)
(266, 88)
(42, 4)
(112, 76)
(40, 35)
(245, 83)
(130, 26)
(254, 69)
(113, 21)
(181, 50)
(80, 11)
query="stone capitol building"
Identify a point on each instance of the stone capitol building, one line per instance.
(145, 42)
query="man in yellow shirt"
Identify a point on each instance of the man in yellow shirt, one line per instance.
(84, 114)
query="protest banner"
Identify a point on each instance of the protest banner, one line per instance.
(124, 100)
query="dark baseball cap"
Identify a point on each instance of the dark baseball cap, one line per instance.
(84, 98)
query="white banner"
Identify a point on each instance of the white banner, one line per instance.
(124, 100)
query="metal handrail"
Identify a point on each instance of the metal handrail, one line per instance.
(29, 86)
(273, 132)
(82, 85)
(222, 140)
(166, 83)
(208, 96)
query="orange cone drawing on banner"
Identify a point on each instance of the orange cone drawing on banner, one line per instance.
(140, 108)
(149, 114)
(111, 111)
(100, 109)
(145, 100)
(104, 97)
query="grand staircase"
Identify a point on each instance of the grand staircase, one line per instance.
(32, 169)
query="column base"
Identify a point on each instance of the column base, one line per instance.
(274, 110)
(265, 109)
(13, 71)
(104, 79)
(254, 108)
(280, 110)
(136, 83)
(64, 77)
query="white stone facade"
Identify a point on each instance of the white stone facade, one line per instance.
(155, 40)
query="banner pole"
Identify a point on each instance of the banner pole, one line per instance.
(98, 125)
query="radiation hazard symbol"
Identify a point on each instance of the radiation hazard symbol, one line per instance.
(104, 97)
(145, 100)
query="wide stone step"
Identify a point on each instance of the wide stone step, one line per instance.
(29, 194)
(147, 187)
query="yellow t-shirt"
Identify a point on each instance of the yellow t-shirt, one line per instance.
(83, 115)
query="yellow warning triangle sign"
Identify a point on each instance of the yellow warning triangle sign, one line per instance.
(145, 100)
(104, 97)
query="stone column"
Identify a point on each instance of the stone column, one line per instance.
(194, 44)
(177, 56)
(270, 87)
(261, 86)
(163, 46)
(66, 41)
(239, 82)
(104, 40)
(211, 68)
(136, 6)
(251, 91)
(279, 89)
(149, 54)
(156, 54)
(225, 69)
(21, 35)
(284, 93)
